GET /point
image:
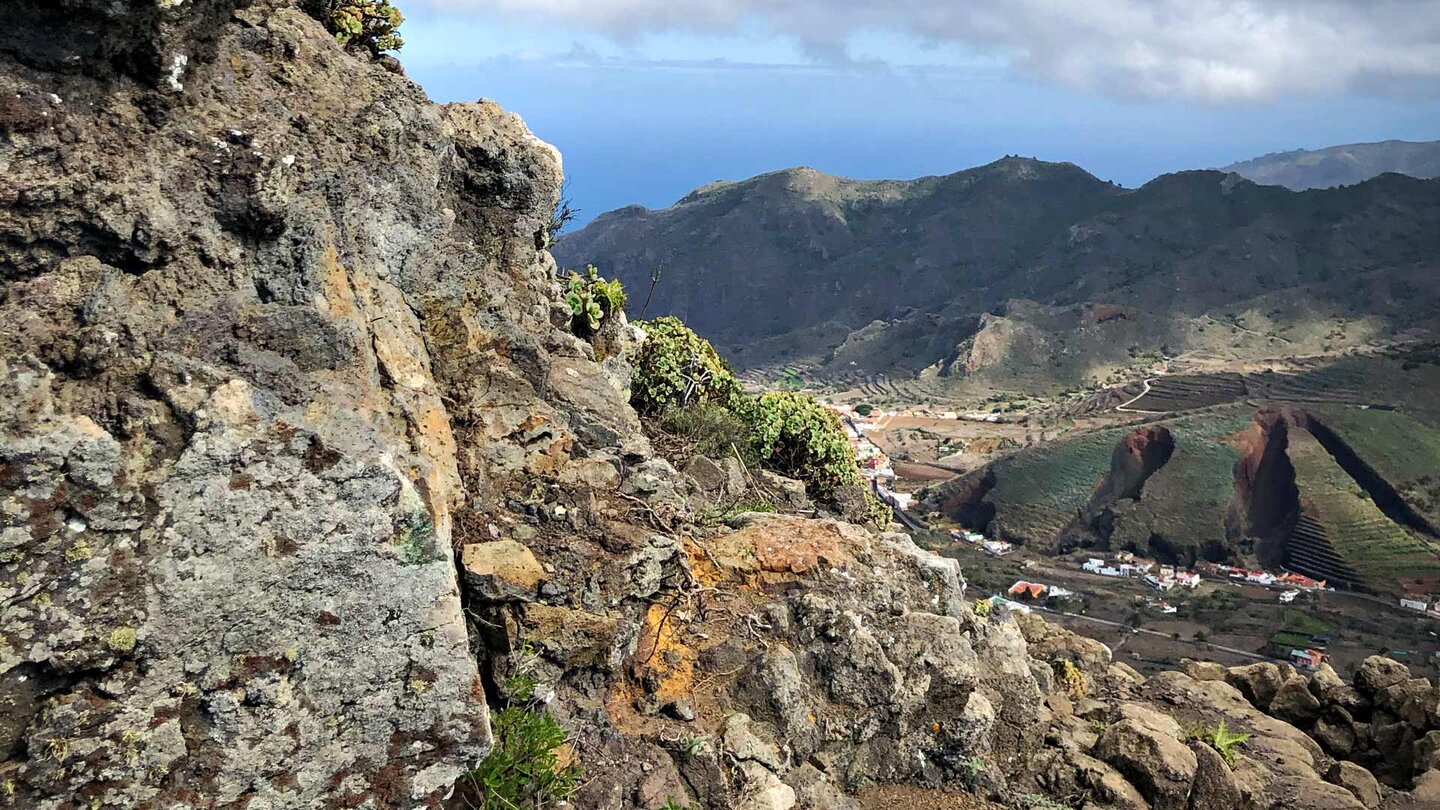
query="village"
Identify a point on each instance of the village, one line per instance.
(1157, 613)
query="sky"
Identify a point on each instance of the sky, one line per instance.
(648, 99)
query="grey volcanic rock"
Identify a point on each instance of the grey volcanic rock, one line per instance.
(274, 329)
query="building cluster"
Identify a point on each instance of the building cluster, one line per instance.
(1127, 565)
(874, 462)
(1419, 603)
(996, 548)
(1285, 580)
(1160, 605)
(1037, 591)
(1305, 650)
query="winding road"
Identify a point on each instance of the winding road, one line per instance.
(1125, 408)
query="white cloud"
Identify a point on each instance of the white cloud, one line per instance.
(1210, 50)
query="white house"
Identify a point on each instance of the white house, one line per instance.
(1093, 565)
(1413, 604)
(1159, 584)
(1186, 579)
(1260, 578)
(1288, 597)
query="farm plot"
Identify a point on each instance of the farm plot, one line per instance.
(1187, 392)
(1379, 550)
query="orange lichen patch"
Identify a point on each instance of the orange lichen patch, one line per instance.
(662, 659)
(335, 285)
(778, 549)
(704, 569)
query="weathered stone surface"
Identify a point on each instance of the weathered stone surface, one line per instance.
(501, 570)
(263, 361)
(1215, 786)
(1294, 704)
(1203, 670)
(1360, 782)
(1142, 747)
(1257, 682)
(1377, 672)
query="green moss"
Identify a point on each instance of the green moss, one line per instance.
(415, 539)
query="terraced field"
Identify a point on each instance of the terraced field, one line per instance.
(1400, 449)
(1039, 492)
(1182, 509)
(1339, 516)
(1184, 392)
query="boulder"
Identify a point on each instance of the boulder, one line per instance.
(1360, 782)
(1335, 731)
(1153, 759)
(501, 571)
(815, 790)
(1257, 682)
(1377, 672)
(1203, 670)
(1105, 784)
(1427, 752)
(1425, 793)
(1294, 703)
(762, 790)
(707, 474)
(1307, 792)
(1325, 680)
(1215, 786)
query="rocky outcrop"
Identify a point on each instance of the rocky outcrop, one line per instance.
(275, 336)
(301, 470)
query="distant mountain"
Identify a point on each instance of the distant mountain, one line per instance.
(1345, 165)
(1023, 267)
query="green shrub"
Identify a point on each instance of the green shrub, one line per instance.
(982, 607)
(523, 771)
(592, 299)
(798, 437)
(373, 24)
(864, 409)
(712, 430)
(677, 368)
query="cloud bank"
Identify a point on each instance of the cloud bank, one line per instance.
(1206, 50)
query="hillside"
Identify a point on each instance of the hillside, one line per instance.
(1345, 165)
(1023, 265)
(1331, 472)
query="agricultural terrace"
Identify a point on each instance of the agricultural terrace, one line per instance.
(1378, 549)
(1185, 502)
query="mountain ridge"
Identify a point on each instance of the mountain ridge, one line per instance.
(1341, 165)
(784, 267)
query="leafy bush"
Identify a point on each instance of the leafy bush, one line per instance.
(524, 770)
(592, 299)
(982, 607)
(677, 368)
(373, 24)
(798, 437)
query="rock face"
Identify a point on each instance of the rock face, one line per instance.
(274, 333)
(301, 469)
